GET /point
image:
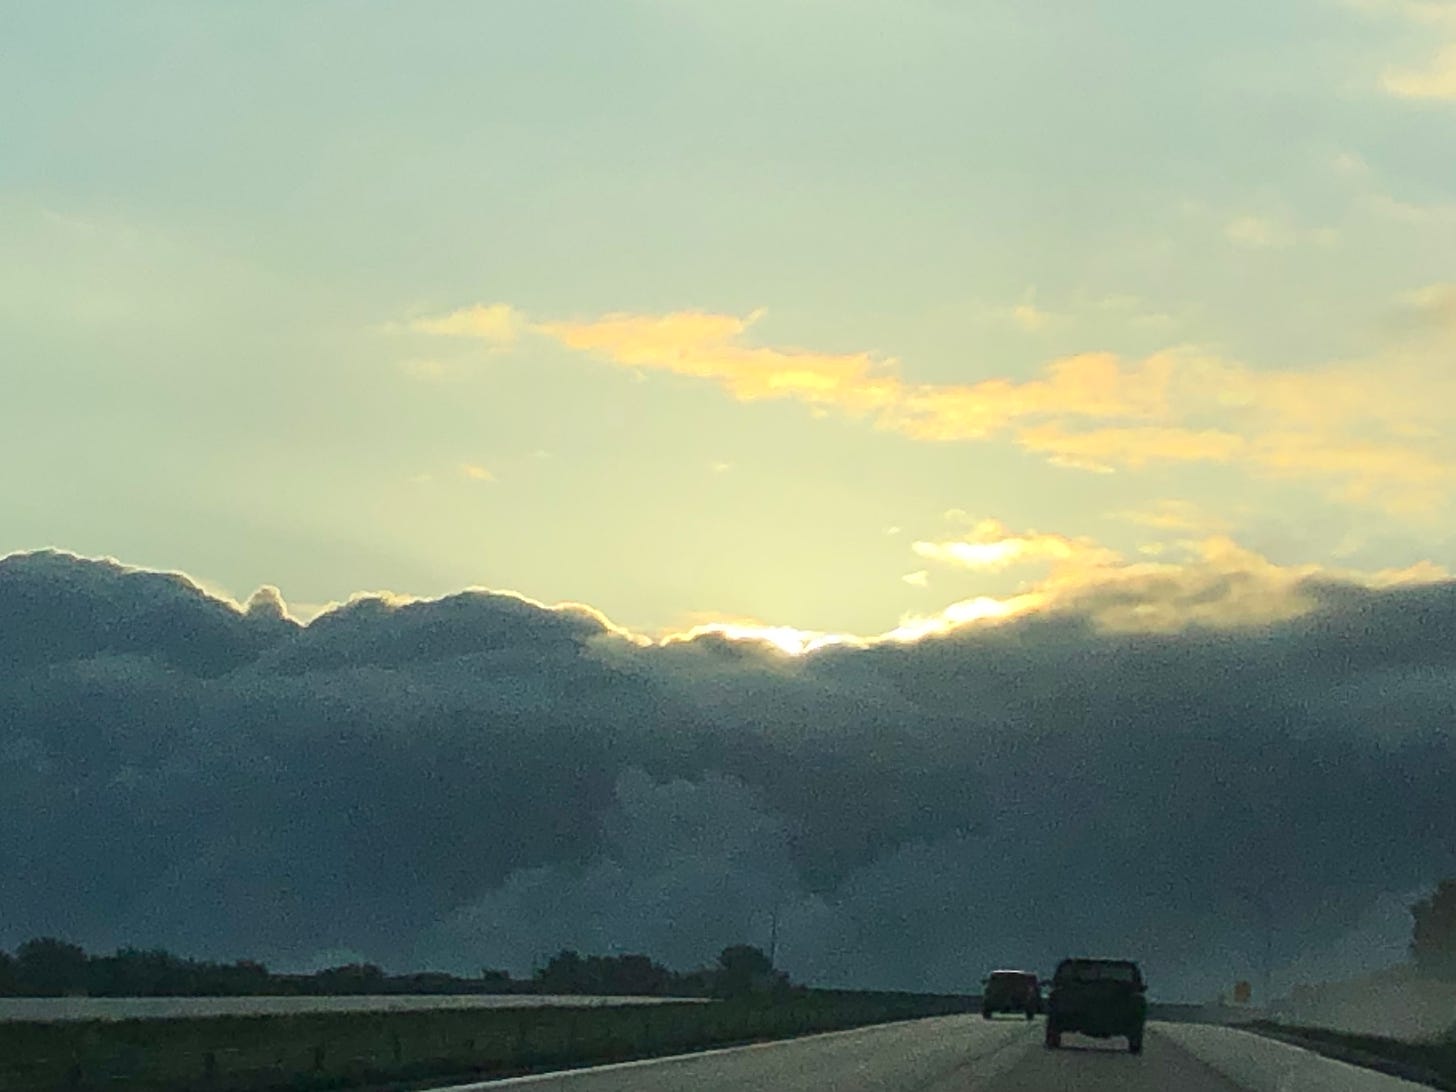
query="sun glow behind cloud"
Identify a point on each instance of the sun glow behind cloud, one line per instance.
(1212, 582)
(990, 544)
(786, 639)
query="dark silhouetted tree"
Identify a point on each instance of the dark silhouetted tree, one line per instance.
(1433, 932)
(132, 972)
(48, 967)
(8, 982)
(496, 980)
(569, 972)
(565, 972)
(639, 976)
(355, 978)
(744, 969)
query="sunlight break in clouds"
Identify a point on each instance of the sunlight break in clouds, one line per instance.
(1209, 582)
(1217, 583)
(1214, 584)
(982, 609)
(787, 639)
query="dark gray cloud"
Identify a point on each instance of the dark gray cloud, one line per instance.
(478, 780)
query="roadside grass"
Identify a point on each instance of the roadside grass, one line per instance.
(1428, 1061)
(319, 1051)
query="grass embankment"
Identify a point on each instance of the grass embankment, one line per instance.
(1428, 1061)
(343, 1050)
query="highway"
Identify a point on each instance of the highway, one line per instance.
(965, 1053)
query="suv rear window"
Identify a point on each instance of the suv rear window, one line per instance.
(1095, 971)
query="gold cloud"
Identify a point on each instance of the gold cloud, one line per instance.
(1088, 385)
(707, 346)
(1371, 429)
(990, 544)
(1436, 79)
(498, 322)
(1222, 587)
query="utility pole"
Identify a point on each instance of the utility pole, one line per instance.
(773, 938)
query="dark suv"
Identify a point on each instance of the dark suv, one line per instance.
(1098, 997)
(1010, 991)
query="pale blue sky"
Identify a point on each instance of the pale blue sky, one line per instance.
(219, 221)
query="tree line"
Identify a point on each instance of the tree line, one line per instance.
(50, 967)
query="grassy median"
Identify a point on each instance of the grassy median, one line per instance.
(1427, 1061)
(347, 1050)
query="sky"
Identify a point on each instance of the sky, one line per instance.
(699, 312)
(904, 338)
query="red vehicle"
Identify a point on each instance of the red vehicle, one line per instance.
(1010, 991)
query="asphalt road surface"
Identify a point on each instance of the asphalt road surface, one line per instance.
(949, 1054)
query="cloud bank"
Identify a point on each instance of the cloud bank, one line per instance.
(480, 780)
